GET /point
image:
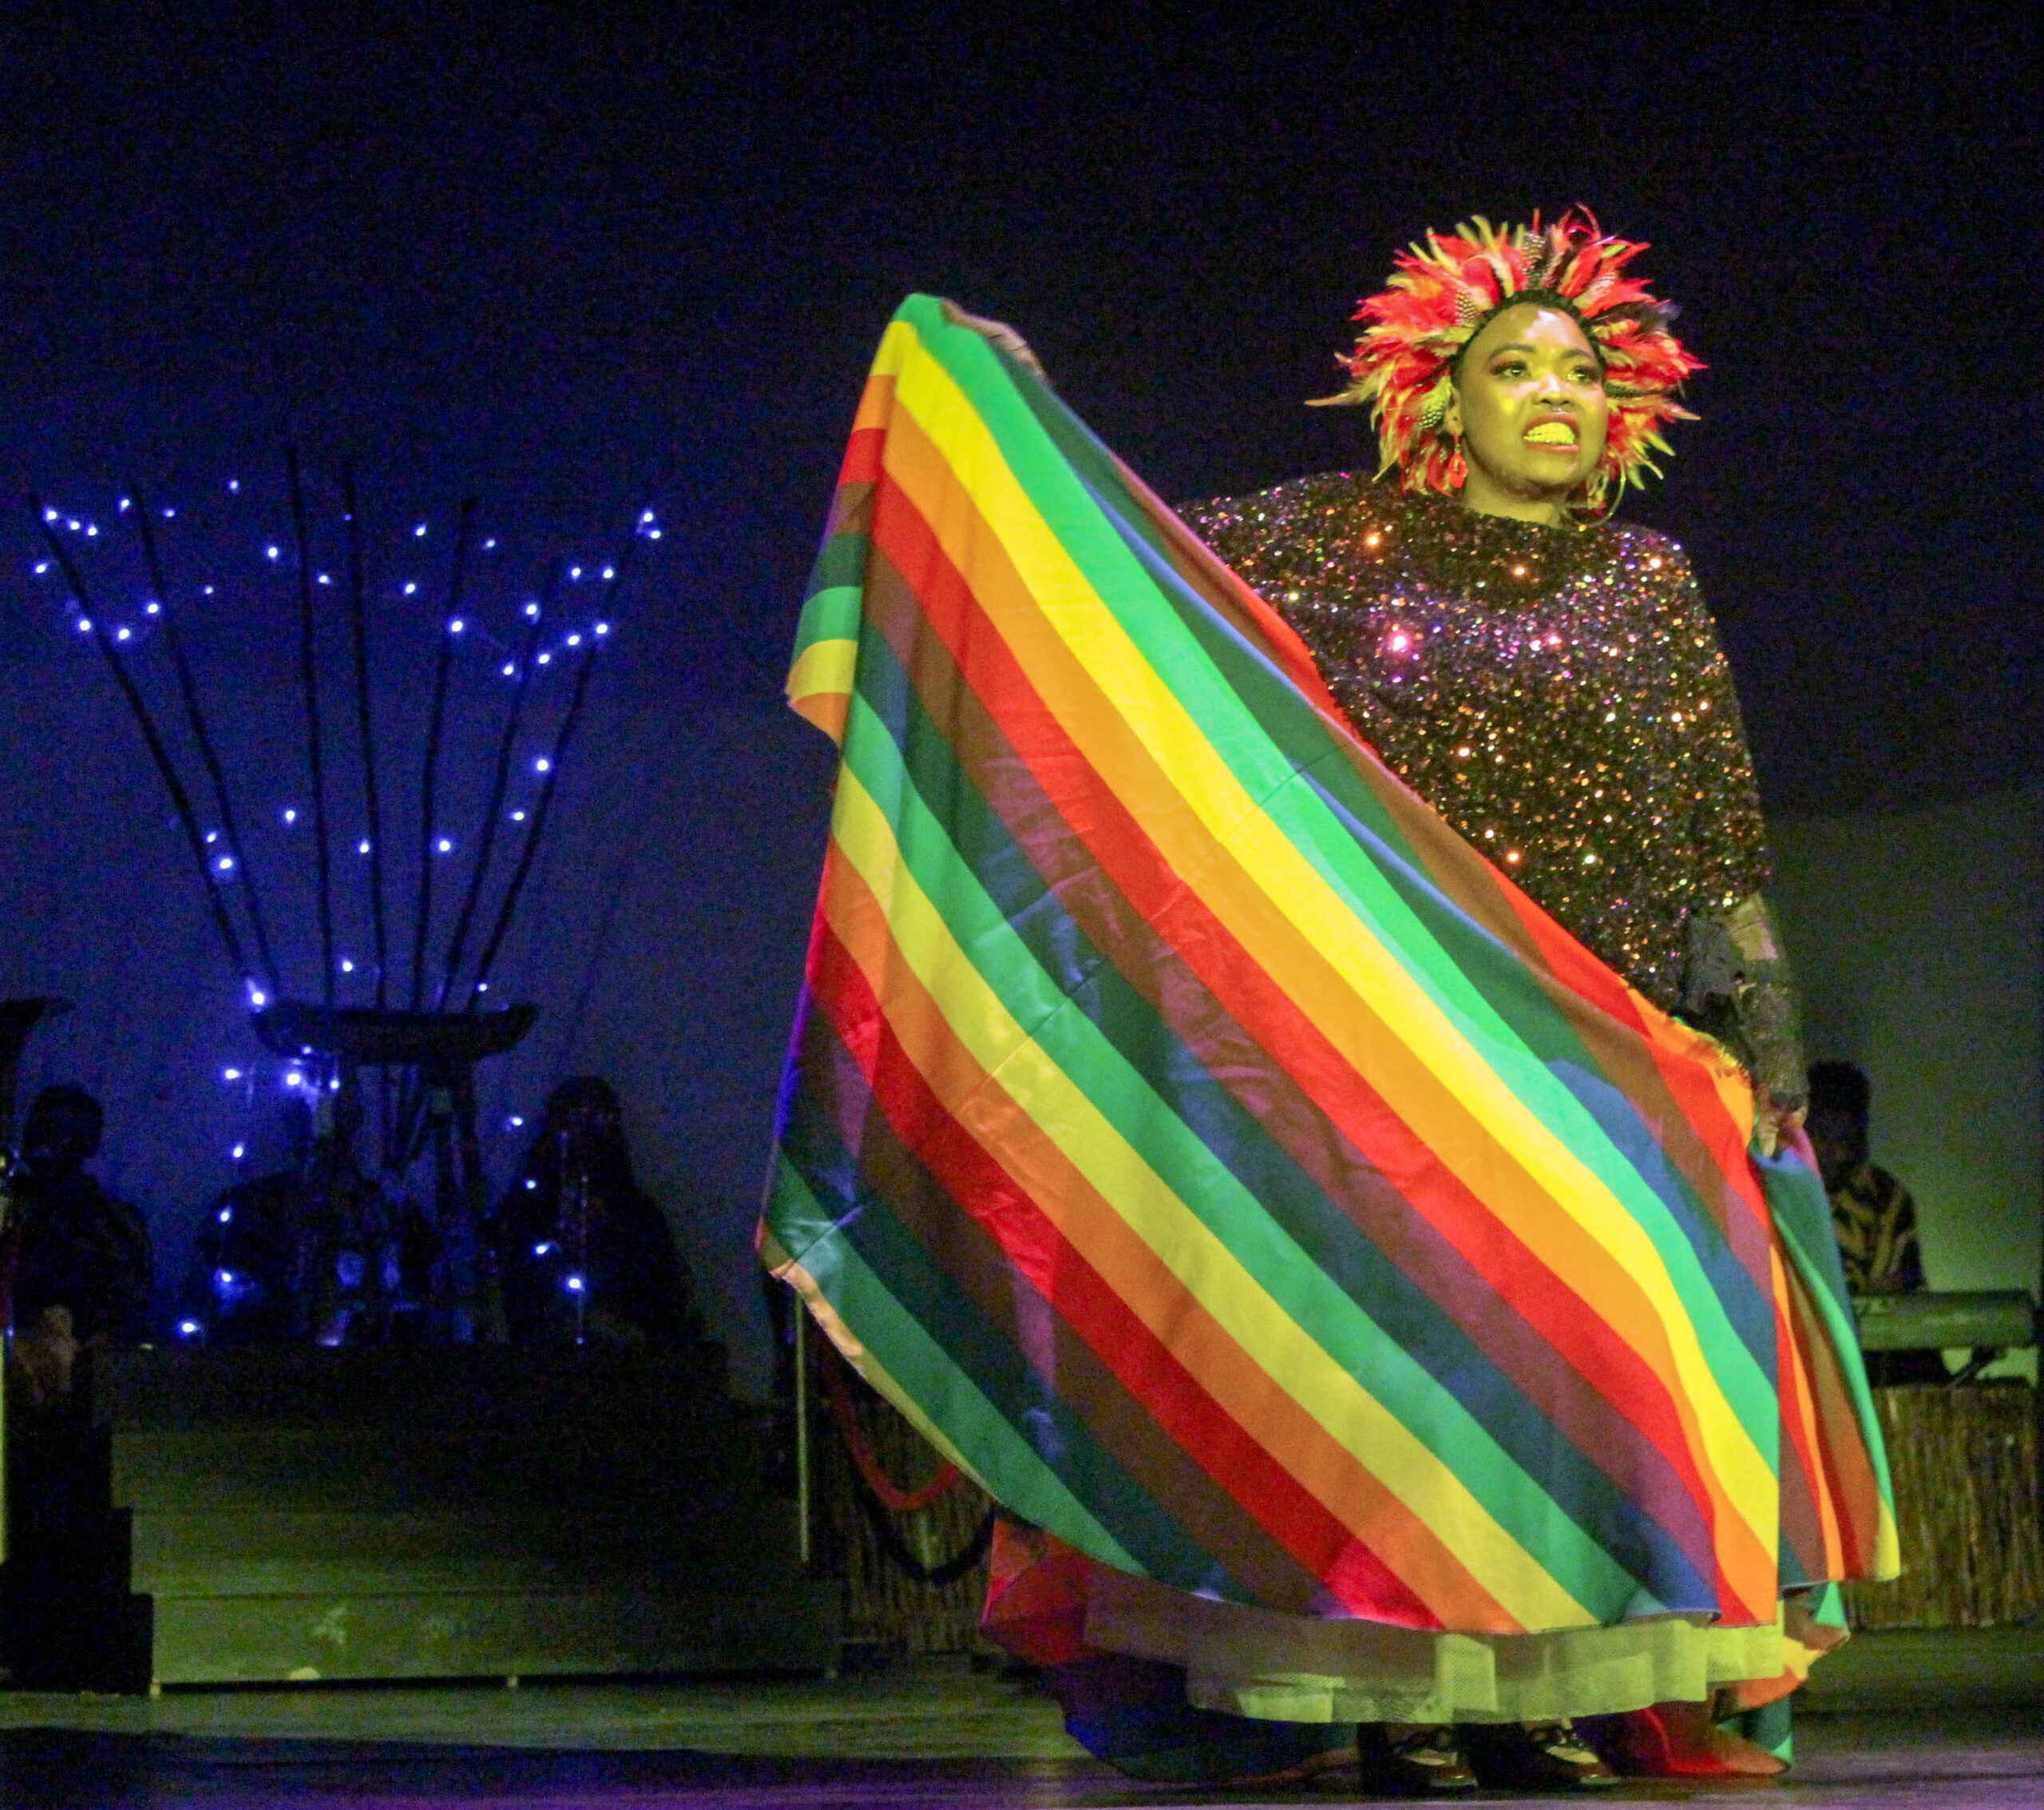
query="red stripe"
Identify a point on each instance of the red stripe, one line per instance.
(863, 453)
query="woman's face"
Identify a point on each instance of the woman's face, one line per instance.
(1530, 406)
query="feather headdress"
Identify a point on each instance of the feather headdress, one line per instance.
(1443, 294)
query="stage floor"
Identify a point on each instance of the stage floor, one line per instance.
(1950, 1723)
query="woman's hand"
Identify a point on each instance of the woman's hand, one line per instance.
(1777, 1124)
(999, 333)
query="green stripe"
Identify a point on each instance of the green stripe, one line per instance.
(1802, 1217)
(833, 614)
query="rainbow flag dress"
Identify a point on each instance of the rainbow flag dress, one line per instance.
(1222, 1162)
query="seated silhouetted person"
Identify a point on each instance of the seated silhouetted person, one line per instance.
(1871, 1211)
(81, 1274)
(247, 1284)
(82, 1264)
(583, 1253)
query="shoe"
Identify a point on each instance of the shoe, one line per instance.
(1536, 1756)
(1417, 1762)
(1679, 1740)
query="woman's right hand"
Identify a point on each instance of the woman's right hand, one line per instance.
(999, 333)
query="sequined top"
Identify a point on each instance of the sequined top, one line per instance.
(1558, 694)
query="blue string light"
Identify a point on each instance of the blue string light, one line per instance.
(225, 862)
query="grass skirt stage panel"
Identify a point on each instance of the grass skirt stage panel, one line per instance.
(1210, 1151)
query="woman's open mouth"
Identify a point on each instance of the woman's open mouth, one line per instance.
(1555, 433)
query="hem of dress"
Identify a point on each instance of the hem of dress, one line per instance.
(1259, 1663)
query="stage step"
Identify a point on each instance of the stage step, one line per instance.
(295, 1513)
(240, 1552)
(267, 1638)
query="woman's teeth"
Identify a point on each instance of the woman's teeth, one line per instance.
(1550, 433)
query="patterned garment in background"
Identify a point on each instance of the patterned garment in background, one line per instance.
(1875, 1221)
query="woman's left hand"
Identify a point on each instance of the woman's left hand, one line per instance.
(1777, 1124)
(998, 332)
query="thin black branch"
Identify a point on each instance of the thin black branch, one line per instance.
(537, 828)
(372, 796)
(179, 798)
(435, 726)
(493, 810)
(201, 734)
(314, 745)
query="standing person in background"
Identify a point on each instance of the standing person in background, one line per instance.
(1870, 1210)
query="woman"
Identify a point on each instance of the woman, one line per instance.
(1552, 684)
(1235, 1269)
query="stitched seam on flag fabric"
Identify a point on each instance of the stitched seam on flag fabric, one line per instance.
(1183, 1241)
(1104, 650)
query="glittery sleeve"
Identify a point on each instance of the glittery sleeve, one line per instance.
(1735, 981)
(1736, 985)
(1726, 833)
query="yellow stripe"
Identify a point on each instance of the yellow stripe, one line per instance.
(820, 684)
(1211, 807)
(1352, 1416)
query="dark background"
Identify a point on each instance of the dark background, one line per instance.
(555, 255)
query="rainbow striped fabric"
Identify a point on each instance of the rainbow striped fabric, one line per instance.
(1207, 1149)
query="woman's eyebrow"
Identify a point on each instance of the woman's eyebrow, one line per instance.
(1519, 346)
